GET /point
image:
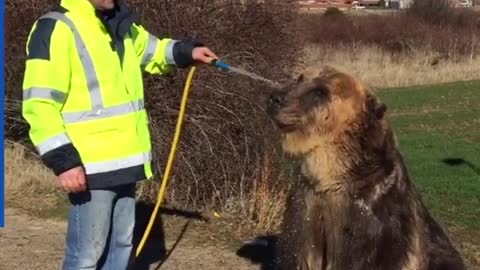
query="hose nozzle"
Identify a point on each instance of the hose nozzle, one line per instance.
(220, 64)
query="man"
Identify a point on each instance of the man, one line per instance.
(83, 100)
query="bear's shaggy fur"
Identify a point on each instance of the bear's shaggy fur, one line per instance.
(353, 205)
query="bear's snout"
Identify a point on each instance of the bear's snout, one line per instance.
(277, 100)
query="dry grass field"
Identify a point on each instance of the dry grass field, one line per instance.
(380, 69)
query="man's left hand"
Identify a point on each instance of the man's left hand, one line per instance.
(203, 55)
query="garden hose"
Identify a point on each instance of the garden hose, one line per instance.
(171, 156)
(173, 149)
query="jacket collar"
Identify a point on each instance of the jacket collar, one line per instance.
(120, 19)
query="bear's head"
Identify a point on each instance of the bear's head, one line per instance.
(323, 107)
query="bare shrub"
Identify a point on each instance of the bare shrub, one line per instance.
(403, 32)
(443, 12)
(226, 131)
(332, 12)
(434, 11)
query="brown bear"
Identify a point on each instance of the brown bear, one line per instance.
(353, 206)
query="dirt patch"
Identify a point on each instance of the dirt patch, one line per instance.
(32, 243)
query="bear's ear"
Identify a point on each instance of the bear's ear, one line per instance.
(300, 78)
(376, 107)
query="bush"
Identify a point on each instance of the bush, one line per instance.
(400, 33)
(434, 11)
(226, 134)
(333, 12)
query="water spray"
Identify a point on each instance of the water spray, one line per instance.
(227, 67)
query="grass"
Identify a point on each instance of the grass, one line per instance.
(438, 128)
(30, 186)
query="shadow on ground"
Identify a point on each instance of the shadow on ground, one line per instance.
(260, 250)
(154, 250)
(459, 162)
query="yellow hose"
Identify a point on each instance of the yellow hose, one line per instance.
(171, 156)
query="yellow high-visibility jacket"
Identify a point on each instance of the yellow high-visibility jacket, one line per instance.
(83, 90)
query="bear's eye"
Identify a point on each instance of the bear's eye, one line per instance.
(320, 92)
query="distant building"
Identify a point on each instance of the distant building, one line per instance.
(321, 4)
(369, 2)
(402, 4)
(464, 3)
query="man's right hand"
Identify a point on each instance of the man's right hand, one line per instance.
(73, 180)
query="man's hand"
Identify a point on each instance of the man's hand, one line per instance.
(203, 55)
(73, 180)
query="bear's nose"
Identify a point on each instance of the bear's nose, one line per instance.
(277, 99)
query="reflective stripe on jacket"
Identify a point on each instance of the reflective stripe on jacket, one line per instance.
(83, 91)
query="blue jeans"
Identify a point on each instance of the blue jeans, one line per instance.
(100, 229)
